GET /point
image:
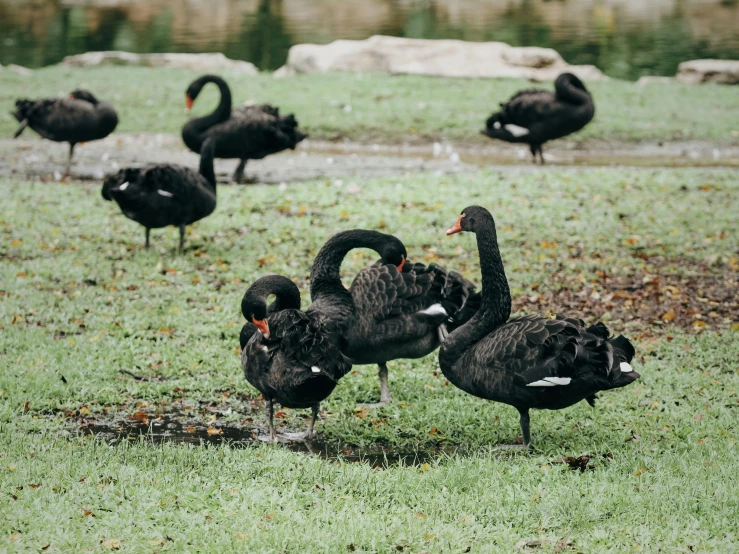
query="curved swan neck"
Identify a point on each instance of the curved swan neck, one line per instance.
(566, 89)
(222, 111)
(207, 153)
(287, 294)
(495, 308)
(325, 275)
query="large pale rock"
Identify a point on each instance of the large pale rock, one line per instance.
(198, 62)
(442, 58)
(93, 59)
(725, 72)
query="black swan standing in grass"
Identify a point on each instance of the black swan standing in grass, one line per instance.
(164, 194)
(79, 118)
(392, 309)
(292, 357)
(535, 116)
(246, 132)
(531, 361)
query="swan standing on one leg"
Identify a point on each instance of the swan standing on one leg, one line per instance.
(79, 118)
(535, 116)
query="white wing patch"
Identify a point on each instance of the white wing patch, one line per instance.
(516, 130)
(434, 309)
(626, 367)
(165, 193)
(315, 369)
(265, 349)
(496, 125)
(124, 186)
(550, 382)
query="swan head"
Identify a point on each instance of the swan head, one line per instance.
(393, 252)
(193, 90)
(470, 220)
(255, 312)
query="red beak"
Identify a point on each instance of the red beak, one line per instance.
(188, 103)
(456, 228)
(401, 264)
(262, 326)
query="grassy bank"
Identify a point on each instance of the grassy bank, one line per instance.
(375, 107)
(82, 300)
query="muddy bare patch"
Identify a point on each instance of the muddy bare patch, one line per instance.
(680, 292)
(199, 424)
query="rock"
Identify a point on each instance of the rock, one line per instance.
(200, 62)
(19, 69)
(442, 58)
(651, 79)
(93, 59)
(532, 56)
(284, 71)
(694, 72)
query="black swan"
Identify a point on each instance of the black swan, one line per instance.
(292, 357)
(162, 194)
(79, 118)
(530, 361)
(535, 116)
(392, 309)
(246, 132)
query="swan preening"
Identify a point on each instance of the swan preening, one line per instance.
(245, 132)
(79, 118)
(535, 116)
(392, 310)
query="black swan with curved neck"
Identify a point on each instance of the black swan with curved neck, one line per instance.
(164, 194)
(392, 309)
(245, 132)
(535, 116)
(79, 118)
(531, 361)
(292, 357)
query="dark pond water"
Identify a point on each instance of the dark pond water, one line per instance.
(624, 38)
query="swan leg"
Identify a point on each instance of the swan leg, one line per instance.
(182, 238)
(302, 435)
(525, 434)
(385, 396)
(312, 424)
(238, 174)
(147, 238)
(533, 148)
(270, 412)
(525, 427)
(541, 155)
(69, 158)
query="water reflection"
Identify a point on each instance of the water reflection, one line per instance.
(624, 38)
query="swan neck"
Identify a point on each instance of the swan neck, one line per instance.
(567, 91)
(325, 278)
(495, 308)
(287, 294)
(222, 111)
(207, 153)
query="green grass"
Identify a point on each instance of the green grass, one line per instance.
(669, 485)
(385, 108)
